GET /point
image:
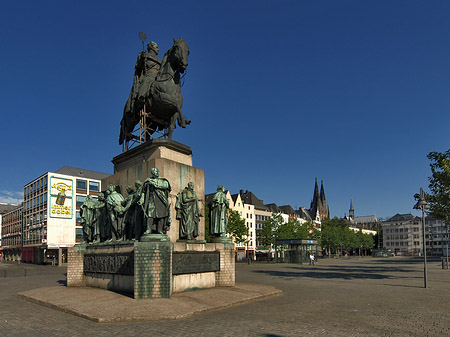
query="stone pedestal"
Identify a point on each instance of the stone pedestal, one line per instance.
(152, 268)
(156, 265)
(75, 272)
(174, 161)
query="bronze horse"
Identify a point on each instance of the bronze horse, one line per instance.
(164, 100)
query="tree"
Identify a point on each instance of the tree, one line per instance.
(236, 226)
(267, 234)
(367, 241)
(439, 196)
(275, 228)
(336, 235)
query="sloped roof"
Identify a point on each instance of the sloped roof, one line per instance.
(401, 217)
(287, 209)
(82, 173)
(234, 197)
(6, 208)
(273, 208)
(249, 198)
(304, 213)
(365, 219)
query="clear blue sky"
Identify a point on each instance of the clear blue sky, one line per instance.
(355, 93)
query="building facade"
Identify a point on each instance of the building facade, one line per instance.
(436, 237)
(51, 212)
(11, 231)
(402, 234)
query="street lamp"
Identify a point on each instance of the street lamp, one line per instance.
(422, 205)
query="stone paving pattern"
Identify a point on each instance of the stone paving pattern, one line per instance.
(337, 297)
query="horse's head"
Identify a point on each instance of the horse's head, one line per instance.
(179, 54)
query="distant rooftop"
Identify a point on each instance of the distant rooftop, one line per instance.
(82, 173)
(5, 208)
(401, 217)
(365, 219)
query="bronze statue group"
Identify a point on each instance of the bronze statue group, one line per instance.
(146, 211)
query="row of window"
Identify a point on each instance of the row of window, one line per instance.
(35, 234)
(400, 230)
(36, 186)
(12, 216)
(14, 241)
(35, 202)
(37, 218)
(82, 185)
(11, 229)
(82, 198)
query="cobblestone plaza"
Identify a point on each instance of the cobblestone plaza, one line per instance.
(336, 297)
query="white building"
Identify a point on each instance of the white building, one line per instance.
(51, 218)
(403, 234)
(436, 236)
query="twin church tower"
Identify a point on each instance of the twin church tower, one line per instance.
(319, 209)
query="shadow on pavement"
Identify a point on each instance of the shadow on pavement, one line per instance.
(62, 283)
(338, 272)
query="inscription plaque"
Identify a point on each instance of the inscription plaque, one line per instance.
(120, 263)
(195, 262)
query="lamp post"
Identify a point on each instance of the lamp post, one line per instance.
(422, 205)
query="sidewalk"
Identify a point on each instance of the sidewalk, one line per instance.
(14, 269)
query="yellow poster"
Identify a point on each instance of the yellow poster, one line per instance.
(61, 197)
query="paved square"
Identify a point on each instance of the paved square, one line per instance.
(353, 297)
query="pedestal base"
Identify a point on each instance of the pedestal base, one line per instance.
(221, 239)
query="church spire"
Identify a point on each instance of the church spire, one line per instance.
(322, 192)
(325, 212)
(351, 211)
(319, 206)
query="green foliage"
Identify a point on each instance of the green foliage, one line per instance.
(337, 235)
(439, 197)
(275, 228)
(236, 226)
(267, 234)
(367, 241)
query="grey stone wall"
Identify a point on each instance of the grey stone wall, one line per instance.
(152, 269)
(75, 274)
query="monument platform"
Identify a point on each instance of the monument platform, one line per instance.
(106, 306)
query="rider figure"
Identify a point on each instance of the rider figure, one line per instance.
(145, 70)
(148, 65)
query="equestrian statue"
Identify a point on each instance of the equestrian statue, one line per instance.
(155, 99)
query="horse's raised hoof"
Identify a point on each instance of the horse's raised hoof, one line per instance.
(188, 121)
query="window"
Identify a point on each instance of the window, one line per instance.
(94, 186)
(78, 216)
(80, 200)
(79, 234)
(81, 185)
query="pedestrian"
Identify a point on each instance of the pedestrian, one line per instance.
(311, 259)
